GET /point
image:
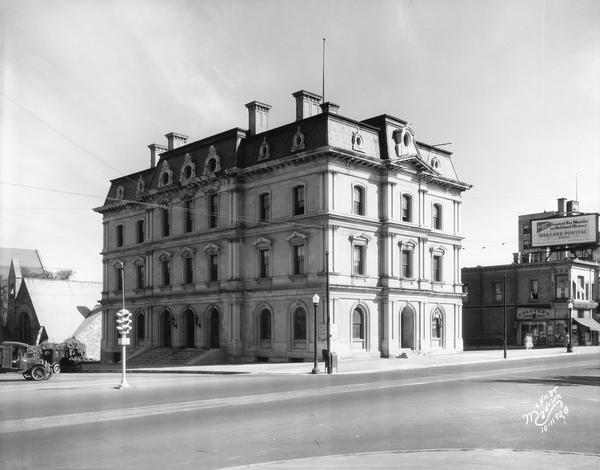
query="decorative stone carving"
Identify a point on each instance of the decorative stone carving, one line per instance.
(264, 152)
(188, 169)
(165, 177)
(405, 142)
(141, 186)
(298, 141)
(357, 141)
(212, 164)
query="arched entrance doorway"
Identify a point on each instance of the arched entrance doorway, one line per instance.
(407, 328)
(165, 329)
(189, 329)
(437, 330)
(215, 329)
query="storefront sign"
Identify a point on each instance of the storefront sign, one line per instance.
(530, 313)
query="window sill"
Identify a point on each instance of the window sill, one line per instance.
(298, 277)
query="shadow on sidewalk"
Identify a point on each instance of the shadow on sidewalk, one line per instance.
(567, 380)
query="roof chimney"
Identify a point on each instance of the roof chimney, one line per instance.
(561, 205)
(258, 117)
(155, 151)
(330, 107)
(307, 104)
(175, 140)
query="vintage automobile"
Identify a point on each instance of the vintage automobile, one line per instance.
(14, 357)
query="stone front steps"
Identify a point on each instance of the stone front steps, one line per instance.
(164, 357)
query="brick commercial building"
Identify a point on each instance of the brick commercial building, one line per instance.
(537, 303)
(224, 240)
(554, 274)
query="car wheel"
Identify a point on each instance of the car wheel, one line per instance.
(38, 373)
(56, 368)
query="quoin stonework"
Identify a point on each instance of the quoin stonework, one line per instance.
(225, 240)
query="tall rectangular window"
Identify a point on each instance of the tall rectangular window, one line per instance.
(299, 200)
(189, 215)
(140, 231)
(119, 278)
(212, 210)
(466, 293)
(120, 235)
(264, 202)
(213, 267)
(561, 288)
(498, 292)
(188, 270)
(358, 196)
(166, 222)
(140, 276)
(437, 217)
(166, 272)
(407, 264)
(359, 259)
(437, 268)
(299, 253)
(406, 208)
(533, 289)
(265, 270)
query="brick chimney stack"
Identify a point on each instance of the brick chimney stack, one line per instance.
(330, 107)
(155, 151)
(307, 104)
(175, 140)
(258, 117)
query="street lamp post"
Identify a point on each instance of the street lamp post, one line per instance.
(315, 300)
(570, 333)
(328, 365)
(504, 299)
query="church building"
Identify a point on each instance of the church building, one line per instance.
(224, 241)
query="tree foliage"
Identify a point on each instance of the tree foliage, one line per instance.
(72, 349)
(62, 274)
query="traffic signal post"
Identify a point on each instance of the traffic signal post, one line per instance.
(123, 327)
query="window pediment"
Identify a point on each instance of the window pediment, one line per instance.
(165, 256)
(297, 238)
(138, 261)
(407, 245)
(211, 249)
(437, 250)
(187, 252)
(361, 239)
(262, 243)
(212, 164)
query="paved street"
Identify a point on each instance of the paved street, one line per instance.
(79, 421)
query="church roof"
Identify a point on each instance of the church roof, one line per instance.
(29, 259)
(61, 306)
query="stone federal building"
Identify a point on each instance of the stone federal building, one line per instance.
(223, 241)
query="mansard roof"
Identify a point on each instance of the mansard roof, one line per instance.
(381, 141)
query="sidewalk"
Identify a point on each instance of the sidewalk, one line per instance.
(360, 366)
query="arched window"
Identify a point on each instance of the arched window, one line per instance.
(406, 208)
(358, 328)
(299, 324)
(437, 326)
(436, 221)
(265, 325)
(140, 327)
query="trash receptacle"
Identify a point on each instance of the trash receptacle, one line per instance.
(331, 361)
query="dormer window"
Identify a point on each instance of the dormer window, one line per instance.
(120, 192)
(212, 164)
(166, 175)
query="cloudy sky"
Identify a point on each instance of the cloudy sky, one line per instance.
(85, 86)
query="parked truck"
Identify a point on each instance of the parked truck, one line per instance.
(16, 357)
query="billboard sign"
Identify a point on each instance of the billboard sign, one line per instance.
(573, 230)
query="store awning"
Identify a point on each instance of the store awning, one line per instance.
(588, 323)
